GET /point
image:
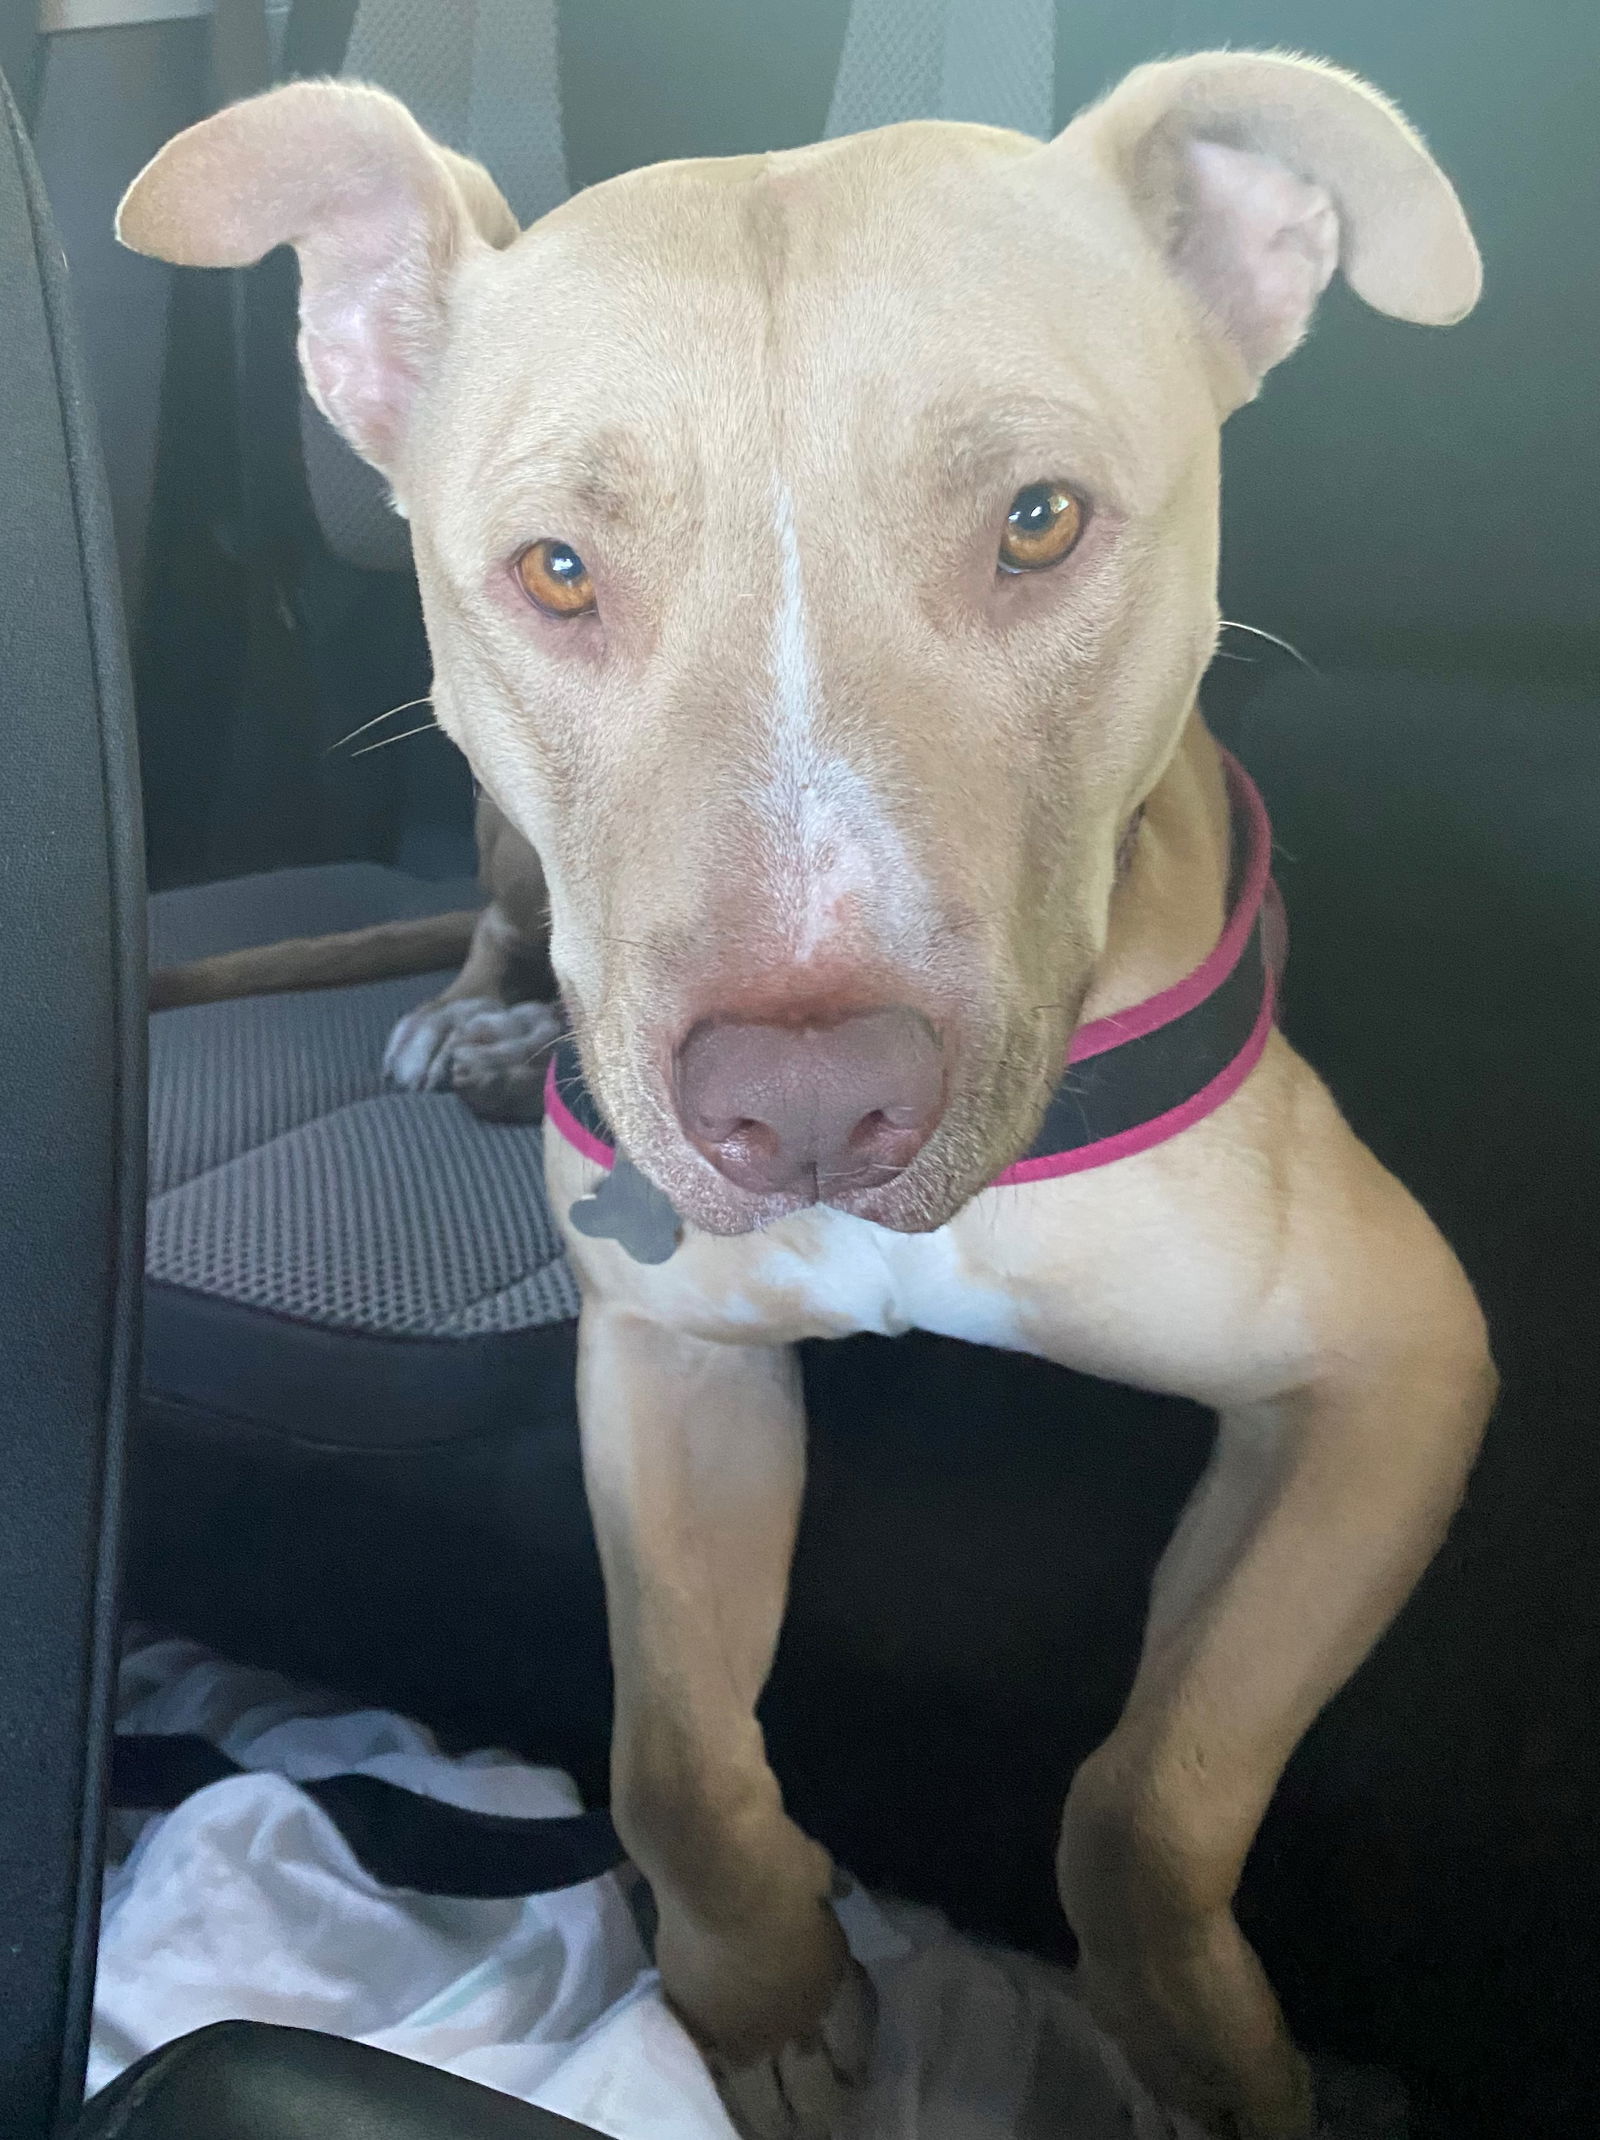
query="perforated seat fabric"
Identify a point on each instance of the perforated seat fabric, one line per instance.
(392, 1213)
(288, 1186)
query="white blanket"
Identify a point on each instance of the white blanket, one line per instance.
(246, 1903)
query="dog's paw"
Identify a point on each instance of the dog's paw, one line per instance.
(1162, 1964)
(783, 2016)
(492, 1053)
(499, 1061)
(1197, 2021)
(799, 2090)
(421, 1048)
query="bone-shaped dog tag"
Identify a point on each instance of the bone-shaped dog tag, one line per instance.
(629, 1209)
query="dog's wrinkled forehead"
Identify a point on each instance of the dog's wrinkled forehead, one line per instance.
(909, 317)
(1197, 212)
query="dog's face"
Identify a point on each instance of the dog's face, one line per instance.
(819, 558)
(818, 730)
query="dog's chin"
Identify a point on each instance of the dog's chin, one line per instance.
(727, 1210)
(921, 1199)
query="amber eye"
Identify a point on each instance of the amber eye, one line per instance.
(1043, 525)
(553, 575)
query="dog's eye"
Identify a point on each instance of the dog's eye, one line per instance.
(1042, 527)
(555, 578)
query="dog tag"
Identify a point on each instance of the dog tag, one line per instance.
(629, 1209)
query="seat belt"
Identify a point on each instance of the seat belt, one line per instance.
(402, 1838)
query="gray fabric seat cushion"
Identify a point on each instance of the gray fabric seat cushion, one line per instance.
(288, 1184)
(392, 1213)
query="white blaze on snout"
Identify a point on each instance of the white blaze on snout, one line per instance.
(838, 863)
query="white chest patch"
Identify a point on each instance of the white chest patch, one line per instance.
(835, 1275)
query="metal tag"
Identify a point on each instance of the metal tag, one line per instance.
(629, 1209)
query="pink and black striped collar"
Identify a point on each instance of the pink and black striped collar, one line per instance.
(1132, 1080)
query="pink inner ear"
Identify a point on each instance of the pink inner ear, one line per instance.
(369, 304)
(1259, 246)
(357, 373)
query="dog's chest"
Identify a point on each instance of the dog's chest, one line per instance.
(825, 1274)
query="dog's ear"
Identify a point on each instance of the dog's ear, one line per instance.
(379, 215)
(1256, 175)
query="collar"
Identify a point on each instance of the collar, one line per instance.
(1144, 1074)
(1131, 1080)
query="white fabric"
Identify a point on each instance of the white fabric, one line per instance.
(246, 1903)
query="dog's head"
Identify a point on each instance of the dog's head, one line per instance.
(819, 556)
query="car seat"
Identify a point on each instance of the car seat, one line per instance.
(71, 1145)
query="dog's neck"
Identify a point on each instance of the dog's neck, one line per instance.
(1171, 894)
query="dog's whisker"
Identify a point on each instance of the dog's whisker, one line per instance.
(1232, 624)
(383, 742)
(404, 707)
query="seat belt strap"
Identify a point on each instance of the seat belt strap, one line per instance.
(402, 1838)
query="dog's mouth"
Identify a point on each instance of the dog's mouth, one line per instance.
(897, 1201)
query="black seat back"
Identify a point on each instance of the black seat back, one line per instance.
(71, 1156)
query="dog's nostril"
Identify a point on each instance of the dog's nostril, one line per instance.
(752, 1136)
(872, 1126)
(732, 1129)
(906, 1117)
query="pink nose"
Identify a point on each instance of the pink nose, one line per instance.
(814, 1108)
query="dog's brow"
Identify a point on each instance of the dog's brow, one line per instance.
(965, 450)
(608, 477)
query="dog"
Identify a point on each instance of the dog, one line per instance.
(819, 558)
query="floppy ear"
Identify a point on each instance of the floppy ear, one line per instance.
(379, 215)
(1257, 174)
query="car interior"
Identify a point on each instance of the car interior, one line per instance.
(288, 1355)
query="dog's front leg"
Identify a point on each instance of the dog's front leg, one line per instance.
(694, 1454)
(1323, 1503)
(488, 1035)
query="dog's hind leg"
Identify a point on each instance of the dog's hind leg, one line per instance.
(695, 1459)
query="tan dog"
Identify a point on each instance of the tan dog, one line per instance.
(725, 482)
